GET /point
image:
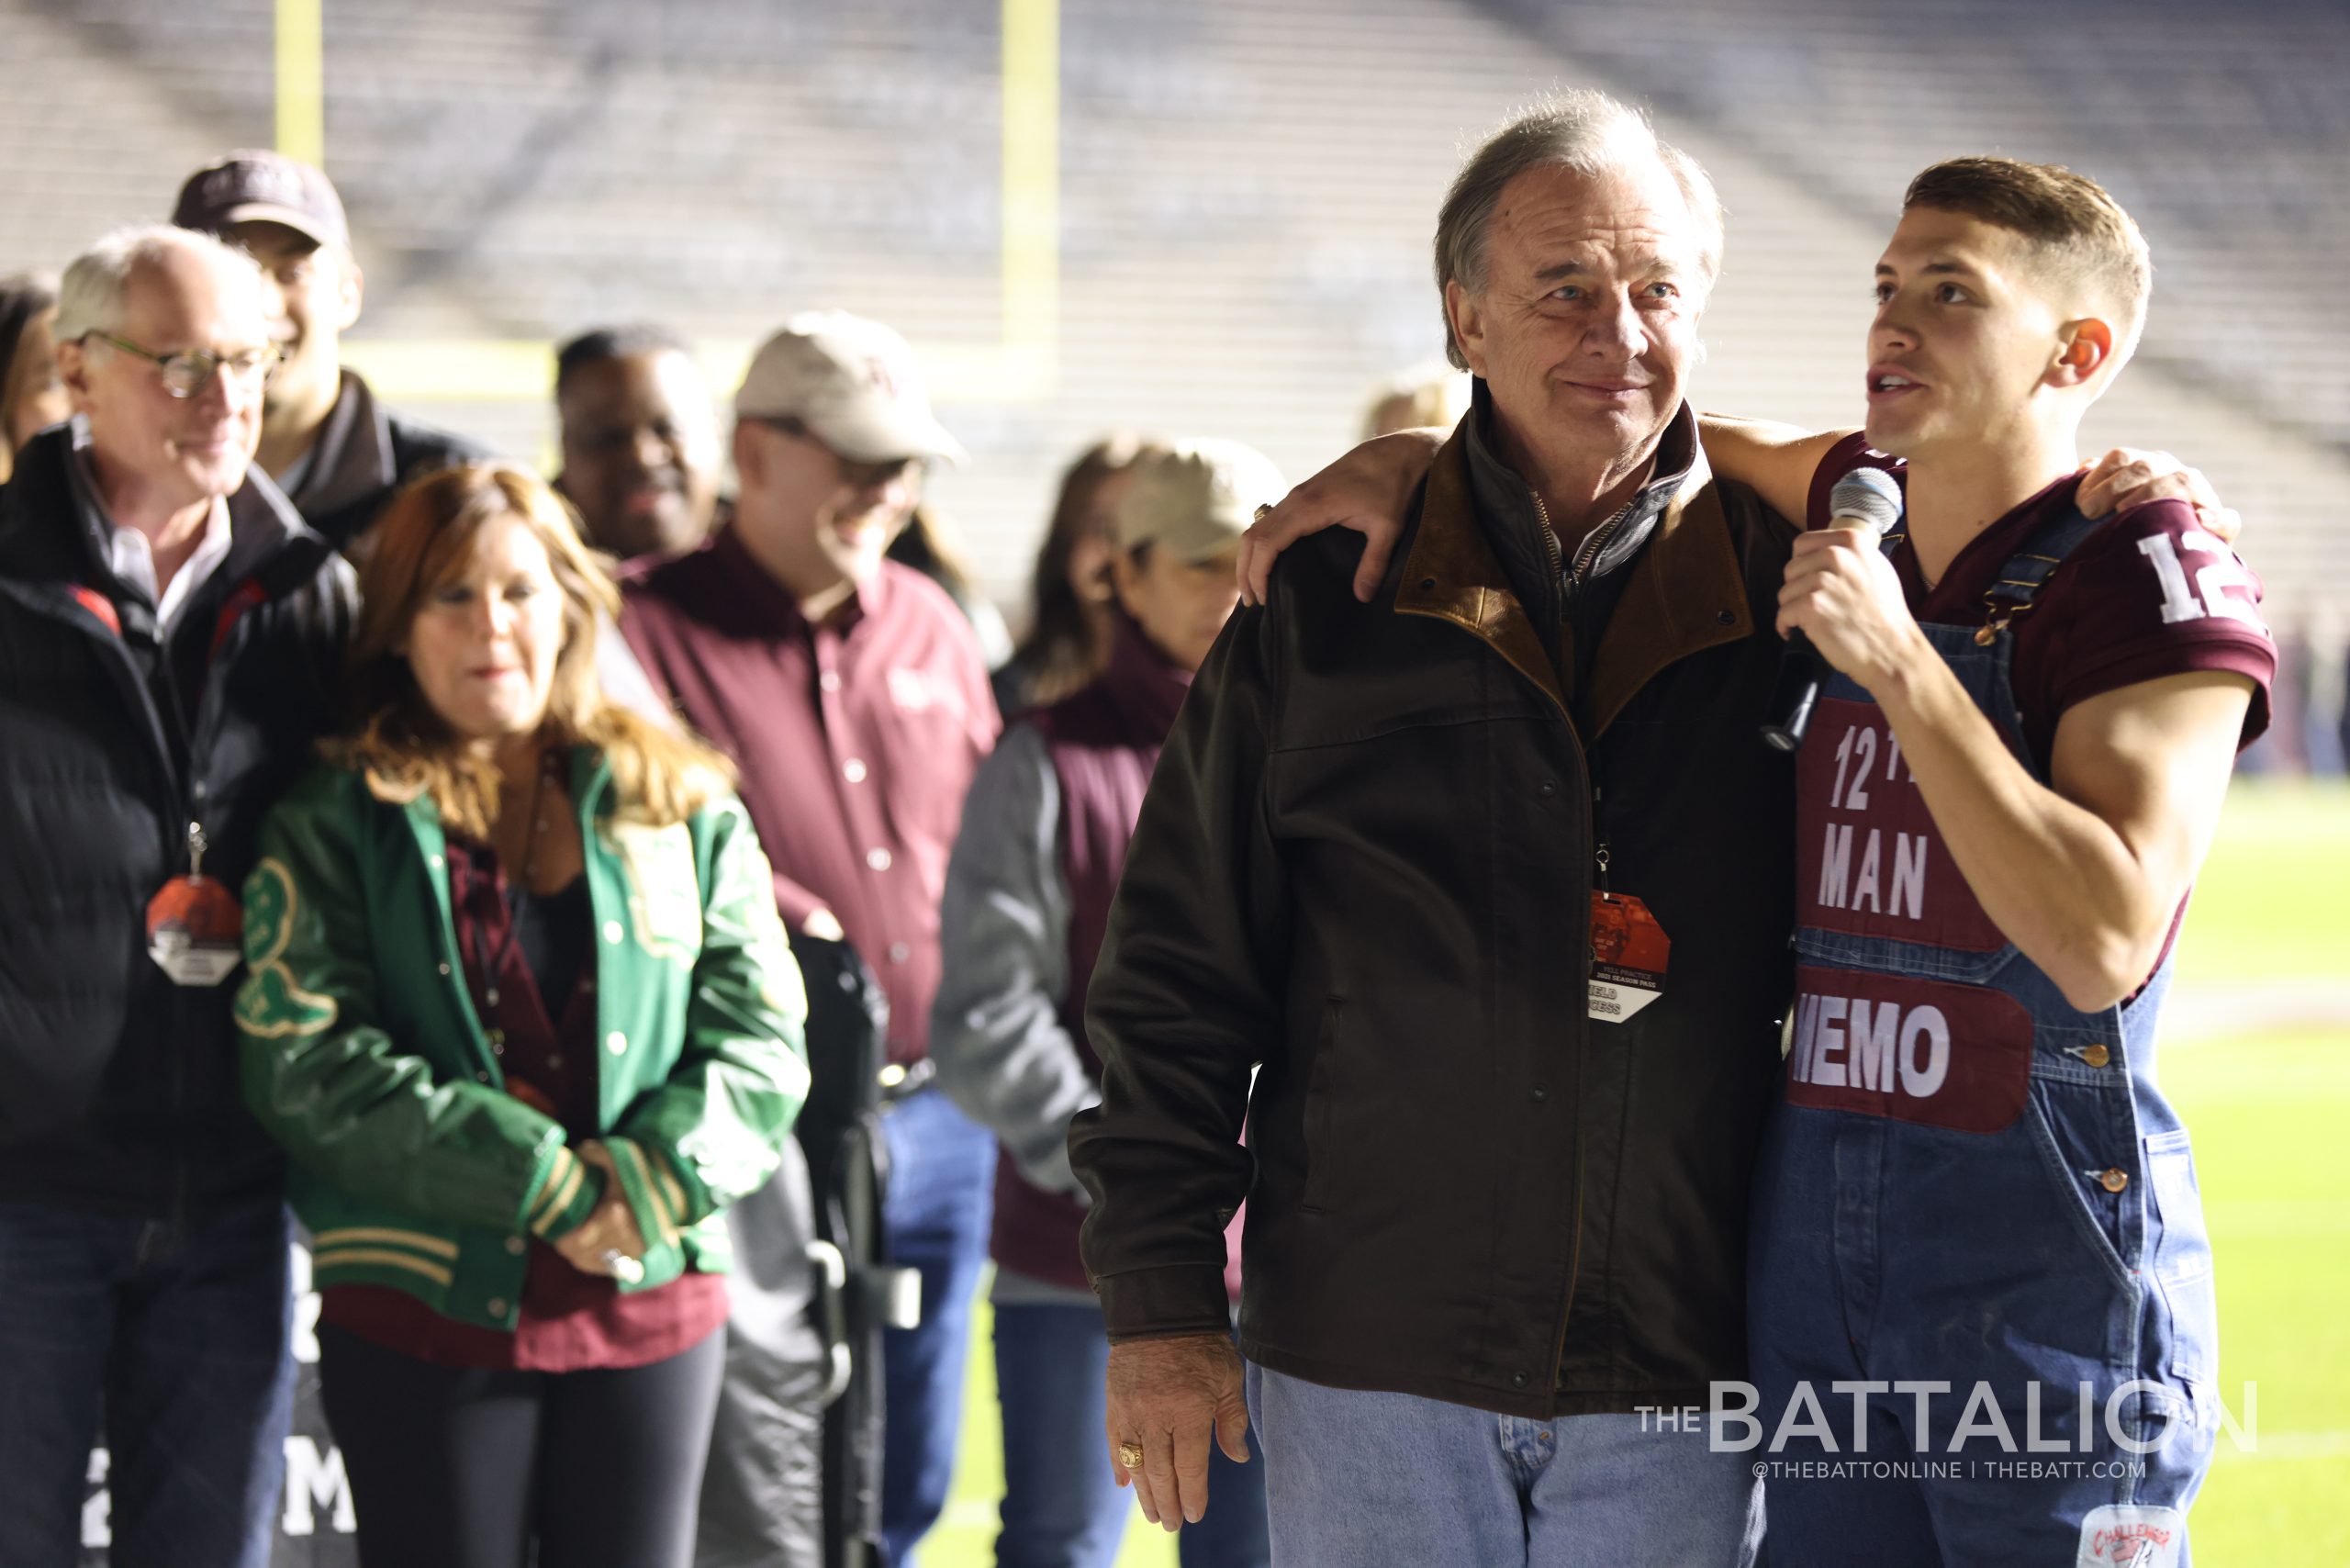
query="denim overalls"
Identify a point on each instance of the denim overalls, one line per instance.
(1968, 1184)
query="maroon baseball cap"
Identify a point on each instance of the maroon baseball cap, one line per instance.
(259, 187)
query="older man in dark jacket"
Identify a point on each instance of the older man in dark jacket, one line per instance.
(1487, 883)
(169, 630)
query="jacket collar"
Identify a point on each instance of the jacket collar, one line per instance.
(1503, 495)
(54, 528)
(1577, 612)
(1508, 516)
(1452, 574)
(589, 775)
(1685, 592)
(50, 527)
(352, 457)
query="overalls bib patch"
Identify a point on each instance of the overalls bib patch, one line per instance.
(1971, 1185)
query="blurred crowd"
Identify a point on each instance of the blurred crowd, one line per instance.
(522, 1146)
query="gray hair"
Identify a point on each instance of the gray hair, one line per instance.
(1583, 130)
(90, 296)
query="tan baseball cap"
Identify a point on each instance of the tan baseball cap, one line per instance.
(853, 382)
(1196, 497)
(258, 186)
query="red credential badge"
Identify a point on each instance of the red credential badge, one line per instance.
(1628, 951)
(196, 927)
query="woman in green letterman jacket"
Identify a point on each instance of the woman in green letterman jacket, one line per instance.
(521, 1009)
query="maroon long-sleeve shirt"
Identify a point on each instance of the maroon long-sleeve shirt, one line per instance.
(855, 740)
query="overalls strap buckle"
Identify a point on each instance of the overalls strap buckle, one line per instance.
(2028, 570)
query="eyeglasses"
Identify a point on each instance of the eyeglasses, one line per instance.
(189, 373)
(856, 474)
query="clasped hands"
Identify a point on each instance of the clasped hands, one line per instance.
(608, 1241)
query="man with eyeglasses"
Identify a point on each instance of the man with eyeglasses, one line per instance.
(852, 695)
(169, 630)
(337, 453)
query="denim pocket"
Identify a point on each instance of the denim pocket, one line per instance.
(2074, 1129)
(2181, 1260)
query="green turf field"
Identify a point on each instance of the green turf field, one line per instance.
(2266, 1108)
(2271, 1118)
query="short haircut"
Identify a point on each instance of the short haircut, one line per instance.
(1586, 131)
(600, 343)
(2077, 232)
(90, 296)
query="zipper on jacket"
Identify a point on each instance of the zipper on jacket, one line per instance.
(1599, 859)
(196, 733)
(1569, 578)
(180, 772)
(211, 704)
(1554, 587)
(1588, 552)
(1598, 540)
(1550, 536)
(183, 1182)
(1599, 851)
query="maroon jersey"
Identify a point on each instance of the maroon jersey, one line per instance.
(2149, 595)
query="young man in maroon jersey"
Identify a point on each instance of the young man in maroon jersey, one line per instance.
(1977, 1239)
(1976, 1214)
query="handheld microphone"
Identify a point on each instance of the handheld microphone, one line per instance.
(1867, 498)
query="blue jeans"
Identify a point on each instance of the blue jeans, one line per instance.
(1357, 1480)
(941, 1197)
(1061, 1507)
(181, 1337)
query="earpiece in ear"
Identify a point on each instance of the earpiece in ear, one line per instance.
(2086, 349)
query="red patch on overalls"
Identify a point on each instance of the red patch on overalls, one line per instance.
(1927, 1051)
(1872, 863)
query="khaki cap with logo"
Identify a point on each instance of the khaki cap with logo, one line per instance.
(853, 382)
(261, 187)
(1195, 498)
